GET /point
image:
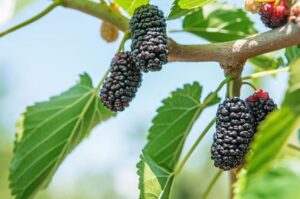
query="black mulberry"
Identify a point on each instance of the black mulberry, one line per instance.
(234, 132)
(120, 87)
(260, 105)
(149, 39)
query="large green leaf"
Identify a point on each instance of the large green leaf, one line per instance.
(166, 139)
(292, 53)
(273, 133)
(176, 11)
(292, 97)
(190, 4)
(276, 129)
(282, 180)
(219, 23)
(272, 136)
(130, 5)
(266, 62)
(49, 131)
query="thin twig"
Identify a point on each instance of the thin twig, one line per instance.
(199, 139)
(249, 84)
(33, 19)
(192, 149)
(211, 185)
(266, 73)
(124, 39)
(292, 146)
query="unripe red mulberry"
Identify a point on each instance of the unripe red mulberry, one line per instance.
(260, 105)
(274, 16)
(120, 87)
(234, 132)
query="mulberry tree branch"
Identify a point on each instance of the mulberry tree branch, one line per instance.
(99, 10)
(231, 55)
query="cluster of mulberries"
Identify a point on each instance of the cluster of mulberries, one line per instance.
(149, 53)
(236, 124)
(149, 39)
(120, 87)
(272, 15)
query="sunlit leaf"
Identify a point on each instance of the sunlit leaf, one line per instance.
(167, 135)
(273, 134)
(292, 97)
(190, 4)
(266, 62)
(292, 53)
(282, 180)
(130, 5)
(49, 131)
(219, 23)
(176, 11)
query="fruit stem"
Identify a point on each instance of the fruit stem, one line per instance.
(192, 149)
(292, 146)
(234, 89)
(207, 128)
(212, 183)
(123, 41)
(102, 80)
(249, 84)
(33, 19)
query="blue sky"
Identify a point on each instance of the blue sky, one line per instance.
(45, 58)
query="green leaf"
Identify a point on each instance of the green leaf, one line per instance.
(273, 134)
(177, 12)
(130, 5)
(292, 96)
(49, 131)
(190, 4)
(167, 135)
(292, 53)
(215, 100)
(281, 181)
(280, 125)
(271, 138)
(266, 62)
(22, 4)
(219, 23)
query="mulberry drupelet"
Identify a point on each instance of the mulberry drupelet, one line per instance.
(234, 133)
(149, 39)
(120, 87)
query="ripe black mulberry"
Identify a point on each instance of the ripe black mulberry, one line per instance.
(234, 133)
(149, 39)
(260, 105)
(120, 87)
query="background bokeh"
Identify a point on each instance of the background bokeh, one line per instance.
(45, 58)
